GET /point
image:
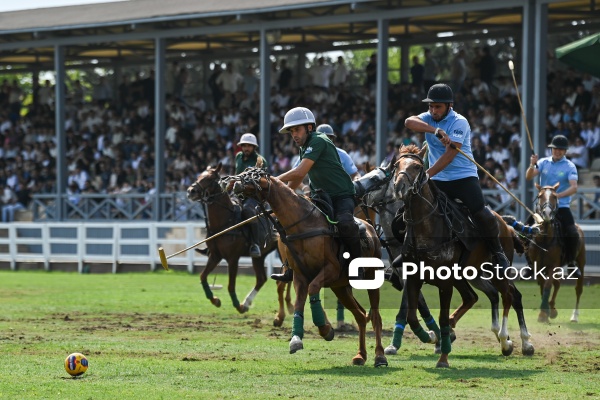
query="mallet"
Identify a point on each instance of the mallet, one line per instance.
(164, 258)
(511, 66)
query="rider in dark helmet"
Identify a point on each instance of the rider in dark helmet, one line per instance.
(558, 169)
(452, 173)
(319, 160)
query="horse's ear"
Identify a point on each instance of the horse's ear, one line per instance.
(423, 151)
(538, 187)
(556, 186)
(392, 162)
(219, 166)
(259, 162)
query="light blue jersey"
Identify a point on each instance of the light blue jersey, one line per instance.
(345, 159)
(458, 129)
(562, 172)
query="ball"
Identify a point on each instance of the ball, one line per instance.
(76, 364)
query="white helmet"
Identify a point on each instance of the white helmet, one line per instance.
(297, 116)
(248, 138)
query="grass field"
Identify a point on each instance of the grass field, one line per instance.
(155, 336)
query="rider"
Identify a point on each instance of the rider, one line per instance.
(553, 169)
(456, 175)
(320, 160)
(244, 159)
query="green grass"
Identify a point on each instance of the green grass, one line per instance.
(155, 336)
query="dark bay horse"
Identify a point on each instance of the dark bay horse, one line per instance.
(377, 192)
(314, 255)
(222, 211)
(431, 242)
(553, 259)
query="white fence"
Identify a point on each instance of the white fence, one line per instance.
(137, 243)
(104, 243)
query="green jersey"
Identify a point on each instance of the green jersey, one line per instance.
(327, 172)
(241, 163)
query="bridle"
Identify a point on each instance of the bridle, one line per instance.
(417, 184)
(539, 208)
(208, 194)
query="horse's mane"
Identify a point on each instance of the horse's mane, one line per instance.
(411, 148)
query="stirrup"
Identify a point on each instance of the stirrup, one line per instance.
(255, 251)
(287, 276)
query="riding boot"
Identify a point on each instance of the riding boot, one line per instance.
(349, 235)
(488, 228)
(571, 239)
(254, 248)
(285, 276)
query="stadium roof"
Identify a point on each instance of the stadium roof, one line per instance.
(127, 29)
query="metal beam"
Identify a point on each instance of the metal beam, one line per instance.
(381, 94)
(61, 140)
(160, 71)
(265, 96)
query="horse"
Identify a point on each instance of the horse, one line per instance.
(223, 211)
(430, 242)
(377, 193)
(314, 254)
(547, 253)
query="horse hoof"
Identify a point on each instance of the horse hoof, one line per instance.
(432, 337)
(528, 351)
(553, 313)
(358, 360)
(330, 335)
(277, 322)
(543, 317)
(296, 344)
(442, 364)
(438, 348)
(380, 361)
(242, 308)
(574, 320)
(216, 302)
(452, 336)
(391, 350)
(508, 350)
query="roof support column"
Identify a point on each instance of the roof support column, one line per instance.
(61, 140)
(405, 62)
(533, 89)
(159, 124)
(265, 97)
(381, 100)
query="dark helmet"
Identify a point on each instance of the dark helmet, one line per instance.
(326, 129)
(559, 142)
(439, 93)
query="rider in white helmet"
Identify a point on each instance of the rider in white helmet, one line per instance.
(319, 160)
(244, 159)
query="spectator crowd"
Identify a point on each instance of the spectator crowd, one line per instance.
(110, 129)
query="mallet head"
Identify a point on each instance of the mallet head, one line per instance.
(511, 65)
(163, 258)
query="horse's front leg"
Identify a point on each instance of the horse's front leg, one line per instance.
(399, 325)
(527, 348)
(546, 288)
(211, 263)
(232, 269)
(301, 287)
(505, 343)
(344, 294)
(552, 302)
(258, 264)
(413, 288)
(318, 314)
(445, 292)
(492, 294)
(374, 298)
(281, 288)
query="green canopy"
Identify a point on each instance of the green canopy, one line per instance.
(582, 54)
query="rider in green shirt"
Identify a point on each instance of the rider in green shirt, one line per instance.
(244, 159)
(319, 160)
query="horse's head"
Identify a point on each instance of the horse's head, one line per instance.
(547, 201)
(253, 182)
(410, 173)
(373, 186)
(206, 186)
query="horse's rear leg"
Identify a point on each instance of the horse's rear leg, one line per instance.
(505, 343)
(552, 302)
(344, 294)
(412, 289)
(469, 298)
(280, 317)
(527, 348)
(258, 264)
(580, 260)
(445, 292)
(211, 263)
(375, 316)
(298, 321)
(318, 314)
(288, 299)
(546, 287)
(492, 294)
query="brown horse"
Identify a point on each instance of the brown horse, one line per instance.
(221, 213)
(548, 256)
(431, 241)
(314, 254)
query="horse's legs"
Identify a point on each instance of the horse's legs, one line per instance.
(211, 263)
(517, 303)
(344, 294)
(552, 302)
(546, 287)
(288, 299)
(505, 342)
(375, 316)
(278, 321)
(413, 288)
(399, 325)
(469, 298)
(492, 294)
(580, 260)
(318, 314)
(258, 264)
(445, 291)
(301, 288)
(232, 269)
